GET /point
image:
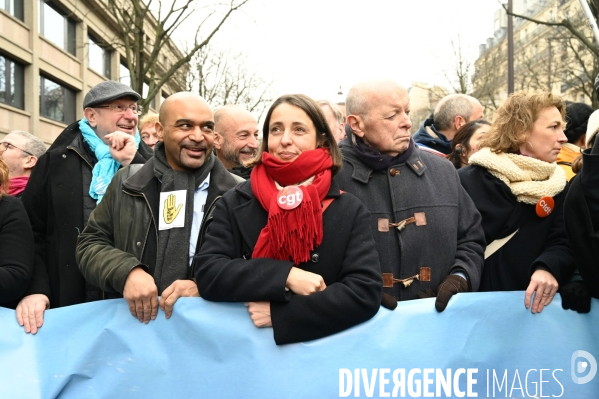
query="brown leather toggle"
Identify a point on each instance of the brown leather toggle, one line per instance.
(419, 218)
(389, 280)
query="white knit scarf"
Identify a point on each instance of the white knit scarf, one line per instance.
(528, 178)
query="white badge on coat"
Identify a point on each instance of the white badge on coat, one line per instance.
(172, 209)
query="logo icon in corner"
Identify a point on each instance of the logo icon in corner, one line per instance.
(580, 366)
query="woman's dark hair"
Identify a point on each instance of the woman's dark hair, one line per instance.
(462, 139)
(577, 116)
(577, 162)
(324, 137)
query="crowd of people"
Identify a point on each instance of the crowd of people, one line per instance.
(336, 211)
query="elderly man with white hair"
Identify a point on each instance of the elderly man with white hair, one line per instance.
(427, 230)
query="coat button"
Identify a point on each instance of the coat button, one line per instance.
(393, 171)
(315, 258)
(64, 155)
(139, 244)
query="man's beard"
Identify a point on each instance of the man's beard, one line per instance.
(233, 157)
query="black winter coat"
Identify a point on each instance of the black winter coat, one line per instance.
(346, 259)
(581, 213)
(16, 251)
(55, 202)
(540, 242)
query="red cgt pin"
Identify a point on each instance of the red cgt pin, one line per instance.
(545, 207)
(290, 197)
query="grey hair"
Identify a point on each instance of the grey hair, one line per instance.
(33, 145)
(356, 102)
(451, 106)
(334, 108)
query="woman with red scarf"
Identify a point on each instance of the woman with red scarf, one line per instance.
(16, 245)
(288, 243)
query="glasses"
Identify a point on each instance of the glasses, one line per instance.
(121, 109)
(8, 146)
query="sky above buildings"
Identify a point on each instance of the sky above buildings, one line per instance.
(315, 46)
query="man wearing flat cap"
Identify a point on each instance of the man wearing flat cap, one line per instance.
(67, 183)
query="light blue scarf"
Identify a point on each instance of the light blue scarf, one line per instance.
(106, 167)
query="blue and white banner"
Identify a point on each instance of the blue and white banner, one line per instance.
(483, 345)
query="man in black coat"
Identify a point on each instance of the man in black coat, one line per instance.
(65, 187)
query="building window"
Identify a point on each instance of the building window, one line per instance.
(56, 27)
(124, 75)
(56, 101)
(98, 58)
(125, 78)
(13, 7)
(11, 82)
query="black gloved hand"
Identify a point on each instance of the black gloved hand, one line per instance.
(450, 286)
(387, 301)
(576, 296)
(427, 293)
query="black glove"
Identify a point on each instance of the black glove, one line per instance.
(387, 301)
(450, 286)
(427, 293)
(576, 296)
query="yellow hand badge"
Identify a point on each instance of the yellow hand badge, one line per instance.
(170, 213)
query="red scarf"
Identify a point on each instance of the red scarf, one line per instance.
(17, 185)
(292, 234)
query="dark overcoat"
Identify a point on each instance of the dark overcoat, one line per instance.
(16, 251)
(55, 202)
(581, 214)
(346, 260)
(540, 242)
(451, 239)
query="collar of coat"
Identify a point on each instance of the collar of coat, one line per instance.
(362, 172)
(78, 144)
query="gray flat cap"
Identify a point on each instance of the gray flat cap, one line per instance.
(107, 91)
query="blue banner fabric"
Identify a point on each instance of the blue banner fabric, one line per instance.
(483, 345)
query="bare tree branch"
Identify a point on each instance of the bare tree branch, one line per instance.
(564, 23)
(145, 38)
(224, 77)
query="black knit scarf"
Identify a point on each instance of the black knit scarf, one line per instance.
(372, 158)
(172, 259)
